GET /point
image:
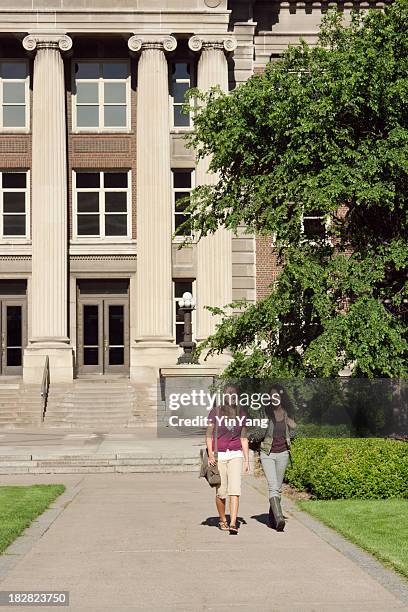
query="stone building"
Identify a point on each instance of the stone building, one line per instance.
(93, 161)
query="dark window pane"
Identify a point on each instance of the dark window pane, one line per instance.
(14, 179)
(87, 70)
(115, 225)
(88, 201)
(115, 179)
(179, 91)
(14, 70)
(115, 201)
(181, 287)
(182, 179)
(91, 356)
(87, 179)
(14, 202)
(14, 328)
(116, 325)
(115, 70)
(181, 71)
(179, 333)
(178, 221)
(14, 225)
(91, 324)
(14, 357)
(179, 203)
(116, 356)
(179, 315)
(88, 225)
(314, 228)
(180, 119)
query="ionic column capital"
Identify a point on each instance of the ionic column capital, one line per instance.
(138, 43)
(221, 43)
(35, 42)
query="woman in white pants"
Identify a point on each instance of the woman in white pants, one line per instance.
(274, 451)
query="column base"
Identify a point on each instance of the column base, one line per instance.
(61, 362)
(147, 357)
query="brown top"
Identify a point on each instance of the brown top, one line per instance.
(279, 440)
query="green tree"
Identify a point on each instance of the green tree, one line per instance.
(322, 131)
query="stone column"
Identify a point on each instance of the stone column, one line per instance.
(155, 344)
(214, 252)
(49, 294)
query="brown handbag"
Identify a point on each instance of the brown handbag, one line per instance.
(210, 472)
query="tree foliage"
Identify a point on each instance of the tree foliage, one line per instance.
(321, 131)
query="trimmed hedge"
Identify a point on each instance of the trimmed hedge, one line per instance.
(313, 430)
(362, 468)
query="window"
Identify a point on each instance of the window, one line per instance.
(102, 204)
(182, 186)
(314, 225)
(181, 81)
(180, 287)
(14, 197)
(14, 95)
(102, 95)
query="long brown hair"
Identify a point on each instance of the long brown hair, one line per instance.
(286, 402)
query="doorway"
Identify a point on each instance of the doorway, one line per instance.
(103, 327)
(13, 329)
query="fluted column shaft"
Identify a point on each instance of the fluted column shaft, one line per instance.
(214, 252)
(154, 214)
(49, 192)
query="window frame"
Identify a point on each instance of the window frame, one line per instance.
(17, 239)
(325, 220)
(101, 129)
(174, 190)
(16, 129)
(172, 104)
(101, 237)
(175, 305)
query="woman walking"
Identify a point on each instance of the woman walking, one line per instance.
(231, 455)
(275, 449)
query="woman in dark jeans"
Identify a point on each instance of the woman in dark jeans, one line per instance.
(274, 451)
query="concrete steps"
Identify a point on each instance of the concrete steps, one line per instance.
(101, 404)
(20, 405)
(115, 462)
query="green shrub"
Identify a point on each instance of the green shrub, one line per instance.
(313, 430)
(363, 468)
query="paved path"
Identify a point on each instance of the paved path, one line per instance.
(149, 542)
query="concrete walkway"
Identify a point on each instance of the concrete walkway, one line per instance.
(150, 542)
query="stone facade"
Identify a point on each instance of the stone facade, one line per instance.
(71, 280)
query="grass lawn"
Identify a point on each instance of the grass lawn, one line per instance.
(379, 526)
(19, 506)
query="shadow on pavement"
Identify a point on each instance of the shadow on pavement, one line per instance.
(212, 521)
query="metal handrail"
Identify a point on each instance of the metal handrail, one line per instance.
(45, 385)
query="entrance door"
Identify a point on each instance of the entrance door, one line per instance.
(103, 329)
(12, 326)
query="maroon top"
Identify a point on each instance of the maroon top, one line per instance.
(229, 438)
(279, 441)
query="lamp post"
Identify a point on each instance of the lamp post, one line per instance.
(186, 306)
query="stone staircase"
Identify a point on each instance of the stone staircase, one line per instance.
(101, 404)
(20, 405)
